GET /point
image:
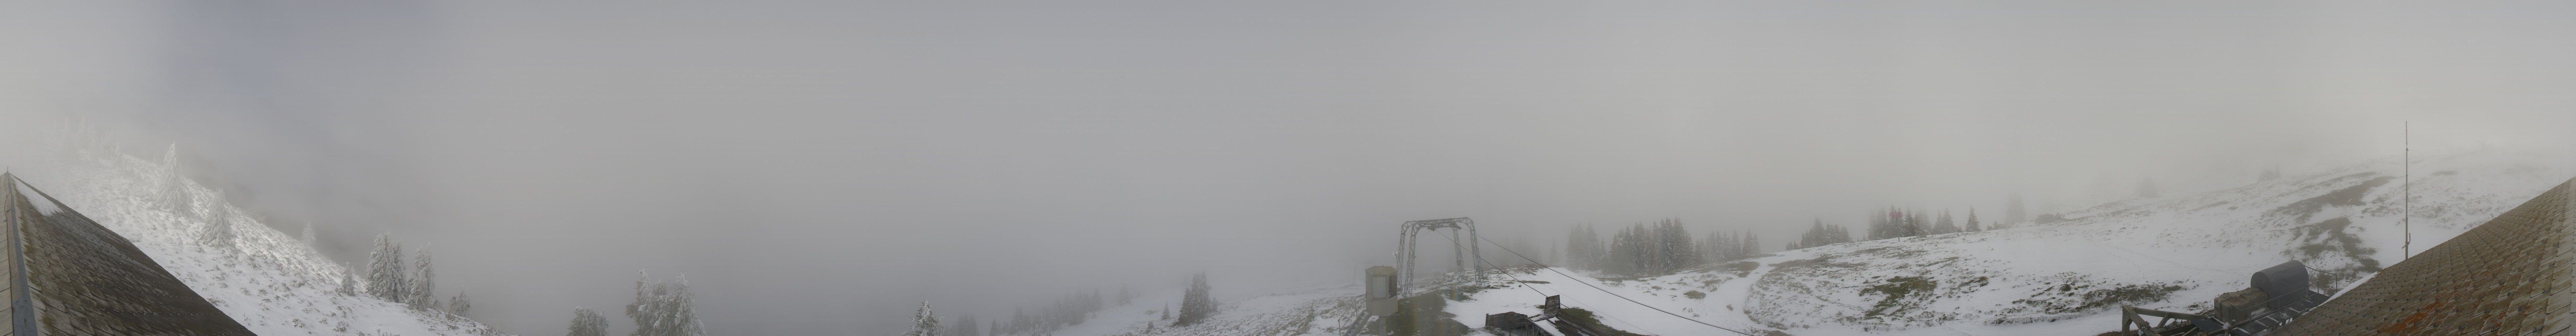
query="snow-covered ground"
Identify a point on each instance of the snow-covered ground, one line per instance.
(271, 282)
(2066, 278)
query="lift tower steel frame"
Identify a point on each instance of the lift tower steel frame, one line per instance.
(1405, 249)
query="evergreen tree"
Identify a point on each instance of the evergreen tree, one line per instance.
(348, 284)
(1674, 246)
(1972, 220)
(218, 232)
(308, 234)
(1915, 226)
(1944, 225)
(664, 308)
(1627, 251)
(459, 306)
(385, 271)
(1751, 246)
(1583, 247)
(174, 189)
(923, 323)
(424, 288)
(1195, 304)
(587, 323)
(1819, 234)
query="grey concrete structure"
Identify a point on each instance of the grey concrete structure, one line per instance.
(2510, 276)
(69, 276)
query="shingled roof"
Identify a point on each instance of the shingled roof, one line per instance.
(69, 276)
(2510, 276)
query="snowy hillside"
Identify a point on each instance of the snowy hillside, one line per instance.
(271, 282)
(2066, 278)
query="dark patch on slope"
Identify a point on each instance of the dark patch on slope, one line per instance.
(2333, 235)
(2348, 196)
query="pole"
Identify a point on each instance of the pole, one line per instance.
(2406, 200)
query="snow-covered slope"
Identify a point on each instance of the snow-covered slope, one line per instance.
(271, 282)
(2172, 253)
(2065, 278)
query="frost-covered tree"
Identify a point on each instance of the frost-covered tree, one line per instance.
(1673, 246)
(218, 233)
(1944, 225)
(386, 278)
(174, 189)
(663, 308)
(587, 323)
(1196, 306)
(307, 237)
(923, 323)
(424, 287)
(1819, 234)
(459, 306)
(348, 284)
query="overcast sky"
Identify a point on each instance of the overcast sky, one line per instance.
(818, 167)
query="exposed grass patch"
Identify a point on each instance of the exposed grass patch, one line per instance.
(1896, 289)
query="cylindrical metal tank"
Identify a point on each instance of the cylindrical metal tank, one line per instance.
(2288, 278)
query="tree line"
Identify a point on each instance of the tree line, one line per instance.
(1196, 307)
(1666, 245)
(1662, 247)
(413, 285)
(661, 308)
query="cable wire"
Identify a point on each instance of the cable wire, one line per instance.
(1534, 289)
(1607, 291)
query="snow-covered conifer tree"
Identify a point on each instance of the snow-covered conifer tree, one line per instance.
(174, 189)
(663, 308)
(218, 233)
(923, 323)
(587, 323)
(460, 306)
(348, 284)
(1195, 304)
(423, 293)
(385, 271)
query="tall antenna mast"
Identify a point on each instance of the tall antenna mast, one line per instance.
(2406, 200)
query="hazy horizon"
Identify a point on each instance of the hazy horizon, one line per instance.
(822, 167)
